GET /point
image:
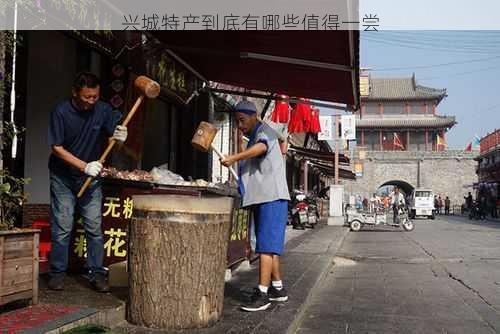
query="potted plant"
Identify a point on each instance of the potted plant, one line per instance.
(18, 246)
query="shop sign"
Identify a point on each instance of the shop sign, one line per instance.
(348, 127)
(116, 211)
(326, 128)
(173, 77)
(358, 169)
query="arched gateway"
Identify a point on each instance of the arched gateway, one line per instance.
(405, 187)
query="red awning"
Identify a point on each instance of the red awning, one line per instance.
(321, 65)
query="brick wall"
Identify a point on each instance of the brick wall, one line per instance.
(447, 173)
(32, 212)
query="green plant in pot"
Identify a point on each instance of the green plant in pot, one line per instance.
(12, 198)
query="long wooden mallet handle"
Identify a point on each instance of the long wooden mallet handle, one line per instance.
(219, 153)
(148, 87)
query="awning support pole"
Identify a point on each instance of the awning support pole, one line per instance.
(337, 149)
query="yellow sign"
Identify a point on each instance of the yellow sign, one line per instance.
(358, 169)
(364, 86)
(116, 208)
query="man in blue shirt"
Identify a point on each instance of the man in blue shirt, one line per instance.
(263, 188)
(76, 129)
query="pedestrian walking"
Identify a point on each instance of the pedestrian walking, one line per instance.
(468, 201)
(436, 204)
(447, 203)
(493, 206)
(262, 185)
(440, 205)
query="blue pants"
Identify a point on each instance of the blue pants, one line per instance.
(63, 202)
(270, 223)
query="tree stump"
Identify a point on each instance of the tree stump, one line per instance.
(177, 260)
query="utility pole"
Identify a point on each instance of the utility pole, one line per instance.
(306, 174)
(337, 148)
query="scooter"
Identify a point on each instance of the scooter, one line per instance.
(356, 220)
(475, 212)
(299, 211)
(312, 210)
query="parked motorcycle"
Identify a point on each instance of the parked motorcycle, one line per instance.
(312, 210)
(298, 210)
(476, 212)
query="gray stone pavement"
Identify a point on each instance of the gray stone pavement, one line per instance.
(444, 277)
(307, 258)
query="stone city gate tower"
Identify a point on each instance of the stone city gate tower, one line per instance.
(401, 141)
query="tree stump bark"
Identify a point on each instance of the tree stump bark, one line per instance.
(177, 260)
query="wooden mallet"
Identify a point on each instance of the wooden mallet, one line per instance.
(203, 141)
(148, 88)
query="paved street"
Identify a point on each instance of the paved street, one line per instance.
(444, 277)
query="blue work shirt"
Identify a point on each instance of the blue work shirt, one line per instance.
(80, 133)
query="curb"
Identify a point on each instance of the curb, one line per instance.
(108, 318)
(332, 250)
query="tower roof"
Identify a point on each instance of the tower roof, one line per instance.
(400, 89)
(436, 122)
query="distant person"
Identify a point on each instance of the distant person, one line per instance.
(440, 205)
(359, 203)
(468, 201)
(386, 202)
(447, 203)
(397, 199)
(436, 204)
(493, 206)
(365, 204)
(482, 207)
(324, 193)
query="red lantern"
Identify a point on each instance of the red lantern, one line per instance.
(315, 125)
(281, 111)
(297, 120)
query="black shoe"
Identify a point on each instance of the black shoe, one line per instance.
(299, 227)
(276, 295)
(100, 284)
(259, 301)
(56, 283)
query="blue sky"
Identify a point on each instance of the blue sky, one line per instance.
(466, 63)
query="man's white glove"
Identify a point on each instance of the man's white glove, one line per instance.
(93, 168)
(120, 133)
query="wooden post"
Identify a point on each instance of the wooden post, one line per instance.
(2, 88)
(36, 248)
(426, 139)
(306, 176)
(337, 148)
(177, 253)
(408, 140)
(381, 141)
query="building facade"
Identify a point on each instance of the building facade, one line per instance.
(488, 169)
(397, 114)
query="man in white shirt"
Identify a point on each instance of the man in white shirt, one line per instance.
(397, 199)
